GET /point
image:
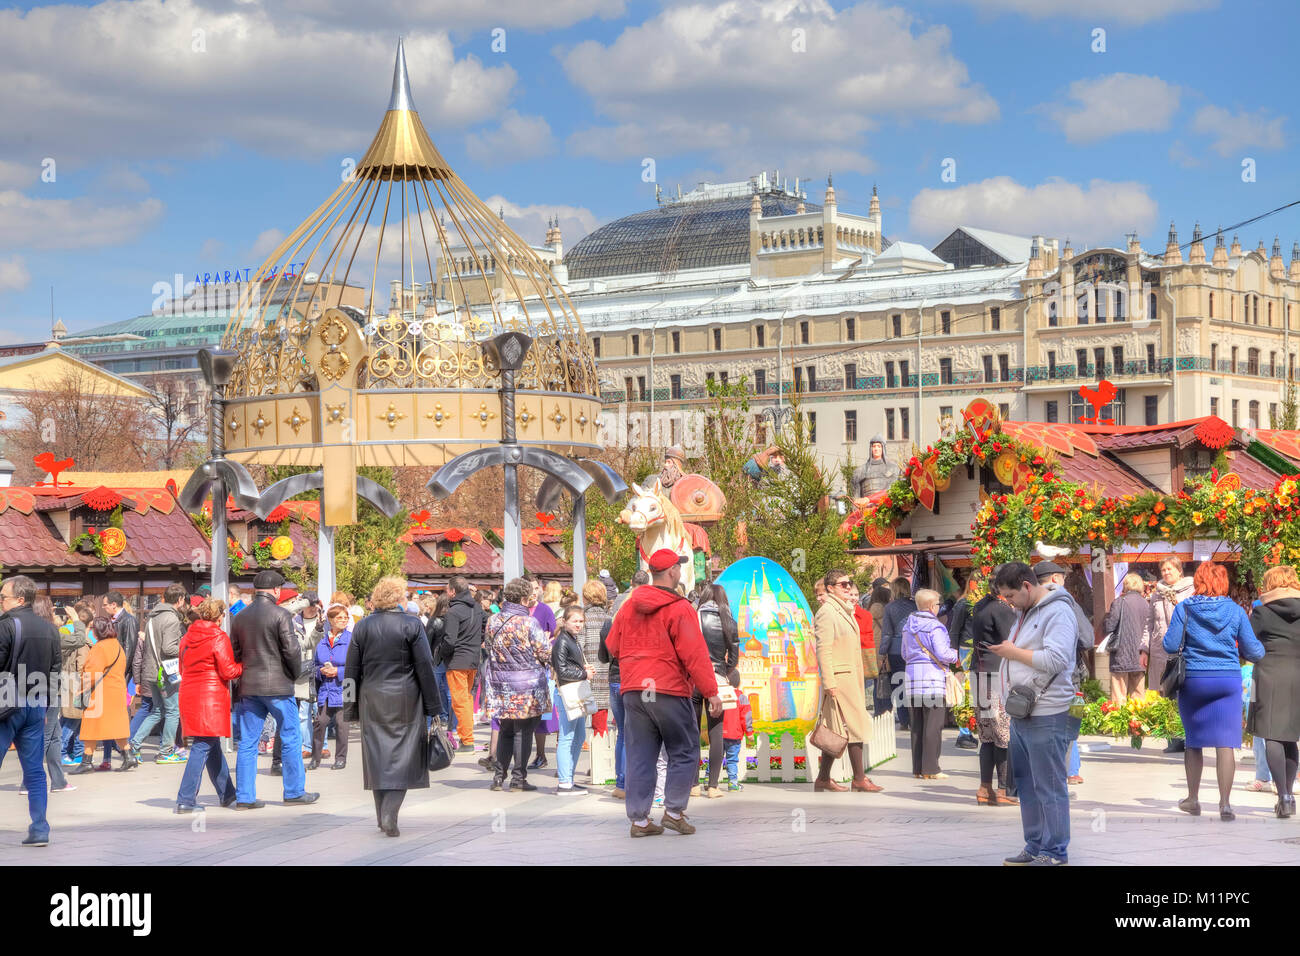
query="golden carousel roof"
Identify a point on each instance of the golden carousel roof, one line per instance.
(402, 381)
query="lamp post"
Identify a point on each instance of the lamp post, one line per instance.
(508, 350)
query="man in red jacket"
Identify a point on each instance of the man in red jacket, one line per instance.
(662, 657)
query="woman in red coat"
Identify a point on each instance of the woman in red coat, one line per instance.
(207, 664)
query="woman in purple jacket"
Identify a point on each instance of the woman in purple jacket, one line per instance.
(928, 654)
(331, 656)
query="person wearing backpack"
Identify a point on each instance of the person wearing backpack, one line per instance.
(159, 672)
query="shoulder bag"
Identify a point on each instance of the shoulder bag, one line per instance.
(577, 696)
(1112, 637)
(954, 688)
(1022, 698)
(169, 672)
(82, 700)
(828, 734)
(1171, 681)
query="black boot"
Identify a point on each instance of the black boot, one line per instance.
(87, 765)
(128, 763)
(1175, 746)
(499, 782)
(275, 768)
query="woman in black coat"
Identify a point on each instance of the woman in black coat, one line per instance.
(394, 694)
(1274, 711)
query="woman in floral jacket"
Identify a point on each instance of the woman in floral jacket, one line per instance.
(516, 662)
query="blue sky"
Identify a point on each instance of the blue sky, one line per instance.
(187, 136)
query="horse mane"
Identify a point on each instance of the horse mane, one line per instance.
(672, 518)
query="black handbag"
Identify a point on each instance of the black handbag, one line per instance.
(1171, 681)
(440, 752)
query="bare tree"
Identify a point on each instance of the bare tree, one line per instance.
(174, 431)
(69, 418)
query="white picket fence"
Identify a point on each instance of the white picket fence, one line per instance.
(881, 746)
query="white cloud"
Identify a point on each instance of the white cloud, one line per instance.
(211, 249)
(27, 222)
(517, 138)
(1234, 132)
(739, 79)
(14, 276)
(1101, 211)
(265, 243)
(130, 83)
(1113, 104)
(18, 175)
(395, 16)
(529, 221)
(1124, 11)
(120, 178)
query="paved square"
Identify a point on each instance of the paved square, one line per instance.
(1123, 814)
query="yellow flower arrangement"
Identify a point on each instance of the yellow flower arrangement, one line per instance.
(1197, 518)
(1076, 515)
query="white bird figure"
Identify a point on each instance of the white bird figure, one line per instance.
(1050, 552)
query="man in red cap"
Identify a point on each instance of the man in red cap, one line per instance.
(661, 656)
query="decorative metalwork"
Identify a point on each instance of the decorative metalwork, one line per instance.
(484, 415)
(295, 420)
(524, 417)
(234, 425)
(260, 423)
(438, 415)
(392, 416)
(558, 417)
(582, 420)
(334, 413)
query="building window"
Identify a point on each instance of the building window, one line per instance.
(1102, 296)
(897, 322)
(1004, 368)
(627, 389)
(1272, 365)
(760, 381)
(988, 369)
(595, 346)
(903, 415)
(903, 374)
(1051, 412)
(1052, 319)
(1214, 356)
(1252, 361)
(812, 427)
(1151, 305)
(1117, 357)
(1214, 406)
(812, 377)
(1099, 359)
(1235, 404)
(1290, 368)
(798, 378)
(677, 340)
(1083, 309)
(1116, 409)
(1051, 365)
(1121, 295)
(708, 377)
(850, 376)
(1256, 310)
(945, 371)
(995, 318)
(1151, 358)
(803, 333)
(1234, 369)
(850, 330)
(851, 426)
(889, 424)
(1004, 410)
(675, 386)
(1272, 414)
(945, 411)
(890, 381)
(760, 335)
(1211, 305)
(945, 323)
(723, 377)
(1253, 421)
(717, 340)
(640, 386)
(675, 430)
(1081, 362)
(1152, 409)
(636, 345)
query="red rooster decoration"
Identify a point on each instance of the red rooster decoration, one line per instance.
(45, 460)
(545, 517)
(1098, 398)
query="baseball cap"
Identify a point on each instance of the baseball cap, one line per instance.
(1043, 568)
(663, 559)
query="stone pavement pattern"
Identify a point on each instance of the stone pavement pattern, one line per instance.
(1123, 814)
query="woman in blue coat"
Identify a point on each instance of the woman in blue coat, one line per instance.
(1214, 633)
(331, 662)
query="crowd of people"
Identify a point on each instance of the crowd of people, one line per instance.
(653, 664)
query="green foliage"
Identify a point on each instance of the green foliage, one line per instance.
(369, 550)
(96, 543)
(1289, 416)
(728, 444)
(795, 526)
(611, 545)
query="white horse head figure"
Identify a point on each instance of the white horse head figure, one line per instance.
(657, 523)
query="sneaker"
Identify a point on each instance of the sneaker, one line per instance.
(573, 790)
(263, 747)
(619, 793)
(695, 790)
(523, 785)
(1074, 781)
(63, 789)
(681, 824)
(659, 801)
(1020, 859)
(967, 742)
(733, 786)
(537, 764)
(713, 793)
(171, 758)
(69, 762)
(649, 829)
(45, 841)
(1260, 786)
(1044, 860)
(465, 748)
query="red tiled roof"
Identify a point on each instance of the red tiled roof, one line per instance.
(1252, 472)
(539, 559)
(1114, 477)
(154, 539)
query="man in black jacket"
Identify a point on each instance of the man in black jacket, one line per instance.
(29, 665)
(992, 623)
(263, 639)
(459, 650)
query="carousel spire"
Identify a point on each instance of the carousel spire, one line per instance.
(402, 147)
(401, 98)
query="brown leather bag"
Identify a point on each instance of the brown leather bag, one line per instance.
(828, 735)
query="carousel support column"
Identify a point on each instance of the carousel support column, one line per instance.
(512, 533)
(579, 542)
(220, 536)
(325, 575)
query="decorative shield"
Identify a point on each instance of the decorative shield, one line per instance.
(1020, 477)
(1229, 482)
(979, 416)
(114, 541)
(281, 547)
(1004, 467)
(923, 485)
(881, 538)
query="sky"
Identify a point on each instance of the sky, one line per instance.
(140, 139)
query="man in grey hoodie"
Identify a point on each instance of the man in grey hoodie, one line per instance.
(161, 642)
(1040, 654)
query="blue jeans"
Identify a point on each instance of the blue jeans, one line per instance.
(666, 723)
(252, 713)
(1038, 746)
(733, 759)
(569, 745)
(143, 711)
(440, 675)
(206, 752)
(25, 727)
(72, 748)
(1073, 764)
(165, 708)
(620, 744)
(1261, 762)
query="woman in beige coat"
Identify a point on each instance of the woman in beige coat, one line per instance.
(839, 661)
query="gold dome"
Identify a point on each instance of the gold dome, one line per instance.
(326, 363)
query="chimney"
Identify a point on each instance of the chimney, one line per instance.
(874, 211)
(1235, 251)
(1173, 255)
(1220, 260)
(1294, 273)
(1263, 253)
(1196, 254)
(1276, 268)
